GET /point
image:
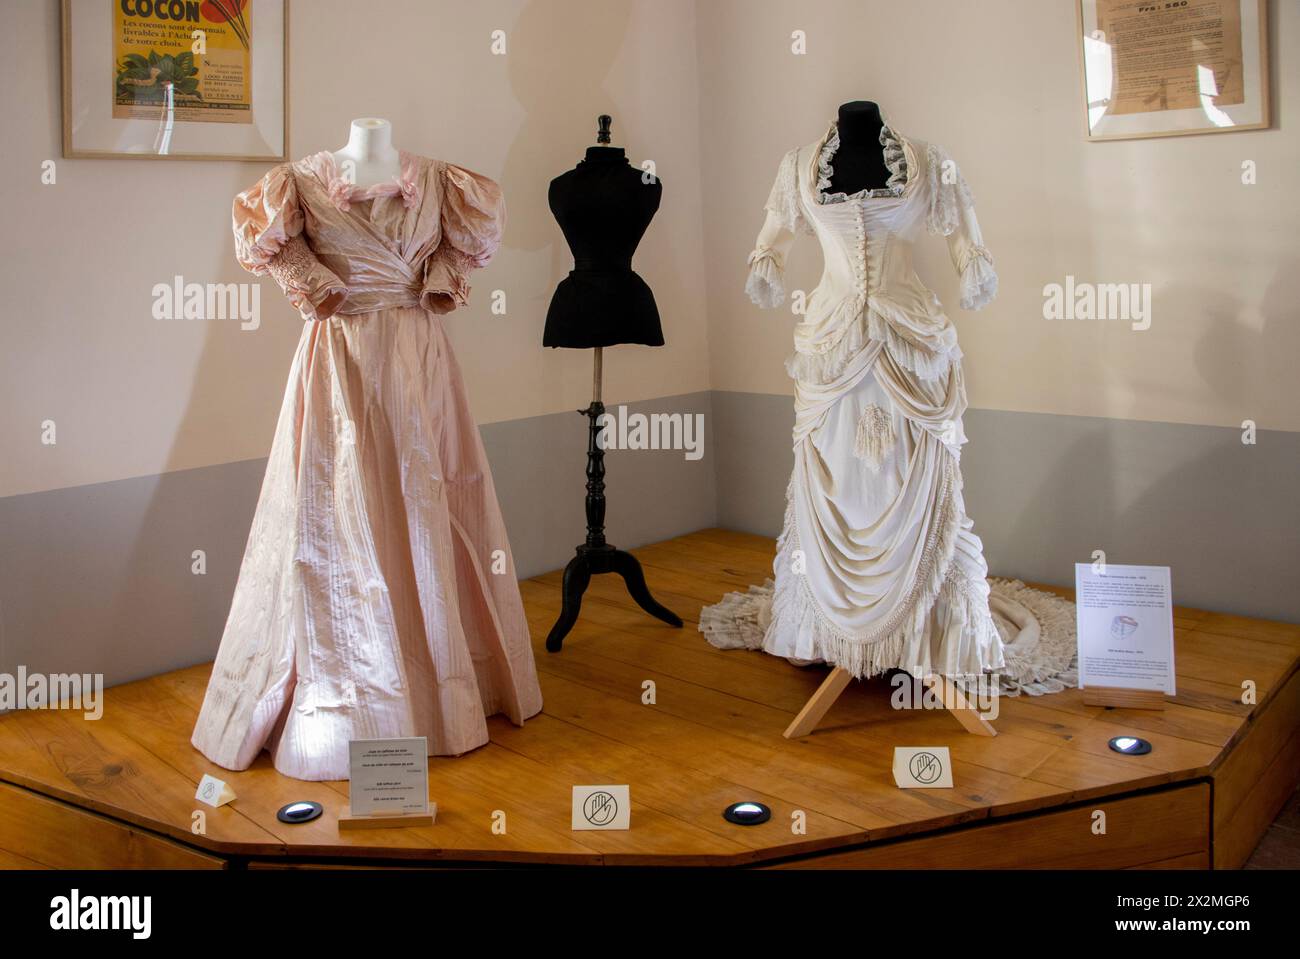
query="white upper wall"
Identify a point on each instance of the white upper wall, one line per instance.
(711, 93)
(997, 83)
(135, 396)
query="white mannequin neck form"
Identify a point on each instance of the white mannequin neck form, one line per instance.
(369, 157)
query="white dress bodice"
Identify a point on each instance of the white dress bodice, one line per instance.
(869, 289)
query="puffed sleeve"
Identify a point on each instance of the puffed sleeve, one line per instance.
(473, 223)
(952, 213)
(766, 282)
(269, 241)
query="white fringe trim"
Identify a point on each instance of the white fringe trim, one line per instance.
(1043, 663)
(827, 365)
(874, 438)
(796, 612)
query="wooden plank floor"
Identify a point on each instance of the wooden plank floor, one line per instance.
(711, 736)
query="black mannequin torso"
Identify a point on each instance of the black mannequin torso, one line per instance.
(859, 163)
(603, 206)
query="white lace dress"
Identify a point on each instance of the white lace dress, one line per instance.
(877, 565)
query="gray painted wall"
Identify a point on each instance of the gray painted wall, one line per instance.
(98, 578)
(1045, 491)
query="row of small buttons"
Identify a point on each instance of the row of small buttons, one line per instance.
(860, 261)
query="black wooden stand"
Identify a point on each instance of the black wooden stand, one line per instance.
(595, 555)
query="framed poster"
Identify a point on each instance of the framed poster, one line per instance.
(176, 79)
(1155, 68)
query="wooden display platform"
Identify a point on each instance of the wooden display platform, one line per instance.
(119, 792)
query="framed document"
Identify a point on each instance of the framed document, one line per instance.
(176, 79)
(1156, 68)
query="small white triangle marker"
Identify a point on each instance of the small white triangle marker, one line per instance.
(214, 791)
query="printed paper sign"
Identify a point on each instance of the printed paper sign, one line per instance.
(157, 68)
(602, 807)
(390, 777)
(214, 791)
(922, 767)
(1126, 627)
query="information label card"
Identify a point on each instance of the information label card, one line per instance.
(390, 777)
(1126, 627)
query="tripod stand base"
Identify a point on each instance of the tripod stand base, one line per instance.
(590, 561)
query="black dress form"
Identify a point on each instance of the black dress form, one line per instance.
(859, 163)
(603, 207)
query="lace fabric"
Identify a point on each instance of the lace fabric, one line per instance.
(895, 160)
(949, 193)
(979, 282)
(876, 298)
(767, 616)
(890, 572)
(783, 200)
(874, 437)
(765, 286)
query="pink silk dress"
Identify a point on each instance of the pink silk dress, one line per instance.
(377, 595)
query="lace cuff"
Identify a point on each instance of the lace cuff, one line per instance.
(766, 283)
(311, 287)
(979, 282)
(446, 284)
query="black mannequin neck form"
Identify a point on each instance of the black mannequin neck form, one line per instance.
(859, 163)
(859, 123)
(602, 153)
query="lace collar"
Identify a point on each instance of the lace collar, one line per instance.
(895, 160)
(343, 191)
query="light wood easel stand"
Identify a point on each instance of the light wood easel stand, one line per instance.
(954, 700)
(1123, 698)
(387, 820)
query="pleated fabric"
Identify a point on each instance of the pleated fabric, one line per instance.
(377, 595)
(878, 566)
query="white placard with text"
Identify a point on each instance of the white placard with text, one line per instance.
(1126, 626)
(390, 777)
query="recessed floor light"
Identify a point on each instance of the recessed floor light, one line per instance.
(300, 812)
(747, 813)
(1130, 745)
